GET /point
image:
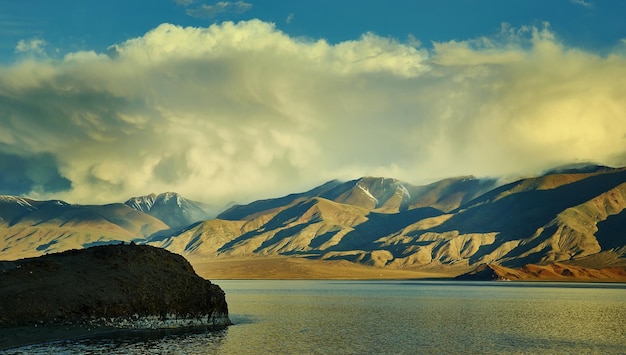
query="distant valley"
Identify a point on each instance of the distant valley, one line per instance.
(569, 216)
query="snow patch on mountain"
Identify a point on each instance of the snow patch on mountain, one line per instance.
(367, 192)
(175, 200)
(142, 203)
(403, 191)
(18, 201)
(170, 207)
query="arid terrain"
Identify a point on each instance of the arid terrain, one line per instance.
(371, 227)
(281, 267)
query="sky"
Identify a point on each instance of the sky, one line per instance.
(241, 100)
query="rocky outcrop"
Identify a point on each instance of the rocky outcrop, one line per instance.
(122, 286)
(487, 272)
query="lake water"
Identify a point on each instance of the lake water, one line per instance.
(393, 317)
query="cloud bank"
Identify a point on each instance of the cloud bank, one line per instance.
(239, 111)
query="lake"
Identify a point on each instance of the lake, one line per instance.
(393, 317)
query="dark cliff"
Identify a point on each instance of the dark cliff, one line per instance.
(128, 286)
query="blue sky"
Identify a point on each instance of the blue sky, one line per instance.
(239, 100)
(69, 25)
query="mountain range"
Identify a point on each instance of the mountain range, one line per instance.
(573, 215)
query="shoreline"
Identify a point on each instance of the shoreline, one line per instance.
(293, 268)
(13, 338)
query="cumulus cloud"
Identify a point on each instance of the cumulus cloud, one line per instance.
(33, 46)
(243, 111)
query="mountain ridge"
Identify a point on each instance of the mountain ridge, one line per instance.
(453, 224)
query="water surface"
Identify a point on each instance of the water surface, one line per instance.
(394, 317)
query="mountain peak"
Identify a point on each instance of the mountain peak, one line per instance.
(171, 198)
(142, 203)
(378, 179)
(170, 207)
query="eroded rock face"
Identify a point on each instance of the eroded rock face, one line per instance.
(126, 286)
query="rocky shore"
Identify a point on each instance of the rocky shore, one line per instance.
(102, 289)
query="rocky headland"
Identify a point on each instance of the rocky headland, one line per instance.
(105, 287)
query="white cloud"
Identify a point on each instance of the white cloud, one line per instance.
(243, 111)
(34, 46)
(583, 3)
(211, 11)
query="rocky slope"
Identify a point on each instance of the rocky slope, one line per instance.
(125, 286)
(452, 224)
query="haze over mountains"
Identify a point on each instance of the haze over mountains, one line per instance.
(573, 215)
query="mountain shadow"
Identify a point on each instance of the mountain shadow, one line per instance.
(519, 215)
(289, 215)
(523, 248)
(279, 236)
(612, 231)
(379, 225)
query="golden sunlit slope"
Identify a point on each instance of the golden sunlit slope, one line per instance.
(532, 226)
(540, 220)
(303, 227)
(30, 228)
(203, 238)
(283, 267)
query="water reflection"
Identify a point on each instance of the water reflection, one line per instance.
(136, 342)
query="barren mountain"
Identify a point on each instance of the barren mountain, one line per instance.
(453, 225)
(449, 224)
(31, 228)
(378, 194)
